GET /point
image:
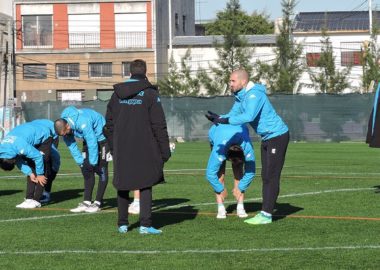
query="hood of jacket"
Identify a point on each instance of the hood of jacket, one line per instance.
(71, 114)
(132, 87)
(250, 87)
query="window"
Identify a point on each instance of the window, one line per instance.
(351, 54)
(67, 71)
(70, 95)
(34, 71)
(126, 69)
(184, 23)
(131, 30)
(313, 53)
(312, 59)
(84, 31)
(100, 70)
(176, 21)
(351, 58)
(37, 31)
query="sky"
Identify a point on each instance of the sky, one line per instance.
(207, 9)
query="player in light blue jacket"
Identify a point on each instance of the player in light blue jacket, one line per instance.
(253, 106)
(230, 142)
(29, 147)
(87, 125)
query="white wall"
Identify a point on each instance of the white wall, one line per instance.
(338, 42)
(6, 7)
(204, 57)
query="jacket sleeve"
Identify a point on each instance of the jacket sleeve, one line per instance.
(249, 166)
(32, 153)
(213, 166)
(252, 107)
(23, 166)
(158, 122)
(73, 147)
(109, 127)
(92, 143)
(235, 110)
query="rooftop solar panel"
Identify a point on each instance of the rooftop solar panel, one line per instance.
(334, 21)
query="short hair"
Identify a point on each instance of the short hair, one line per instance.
(60, 125)
(7, 164)
(235, 154)
(138, 67)
(242, 74)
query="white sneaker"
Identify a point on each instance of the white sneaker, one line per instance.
(29, 204)
(222, 213)
(93, 208)
(134, 208)
(80, 208)
(241, 213)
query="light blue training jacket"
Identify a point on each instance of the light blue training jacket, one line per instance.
(21, 141)
(221, 138)
(253, 106)
(86, 124)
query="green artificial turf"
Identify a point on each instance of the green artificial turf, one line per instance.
(327, 217)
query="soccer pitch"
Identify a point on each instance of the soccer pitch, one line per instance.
(327, 217)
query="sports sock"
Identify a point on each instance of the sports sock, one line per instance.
(137, 201)
(240, 206)
(221, 207)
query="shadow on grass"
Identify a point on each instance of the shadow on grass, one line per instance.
(281, 210)
(166, 217)
(285, 209)
(377, 190)
(249, 207)
(64, 195)
(157, 204)
(9, 192)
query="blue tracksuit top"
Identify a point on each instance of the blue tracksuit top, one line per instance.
(21, 141)
(253, 106)
(86, 124)
(221, 138)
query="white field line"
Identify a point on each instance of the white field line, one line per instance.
(186, 251)
(196, 204)
(41, 217)
(280, 196)
(189, 172)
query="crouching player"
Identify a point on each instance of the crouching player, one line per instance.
(232, 143)
(29, 147)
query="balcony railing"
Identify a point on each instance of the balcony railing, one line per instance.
(84, 40)
(88, 40)
(130, 40)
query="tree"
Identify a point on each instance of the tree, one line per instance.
(255, 24)
(284, 73)
(233, 53)
(370, 59)
(326, 76)
(180, 82)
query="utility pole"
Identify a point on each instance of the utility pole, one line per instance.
(4, 59)
(170, 29)
(370, 16)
